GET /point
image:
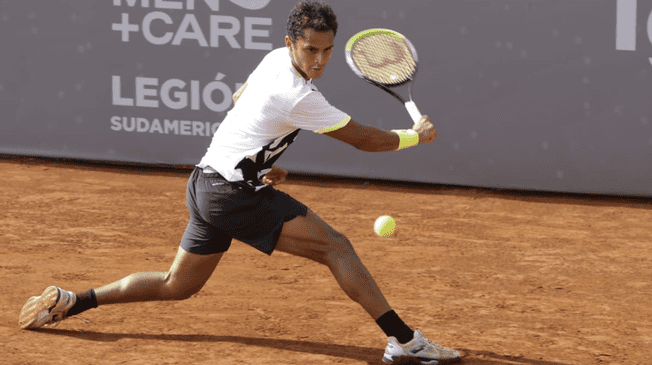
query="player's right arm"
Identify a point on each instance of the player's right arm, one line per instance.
(371, 139)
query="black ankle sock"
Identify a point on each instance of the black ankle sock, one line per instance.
(85, 301)
(393, 325)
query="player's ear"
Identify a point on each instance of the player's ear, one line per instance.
(288, 42)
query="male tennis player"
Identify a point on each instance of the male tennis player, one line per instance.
(230, 193)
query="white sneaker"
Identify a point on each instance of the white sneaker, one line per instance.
(50, 308)
(426, 351)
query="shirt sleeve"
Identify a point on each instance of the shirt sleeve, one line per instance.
(314, 113)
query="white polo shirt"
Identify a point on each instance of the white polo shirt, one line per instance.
(276, 104)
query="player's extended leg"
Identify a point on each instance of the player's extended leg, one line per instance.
(187, 275)
(312, 238)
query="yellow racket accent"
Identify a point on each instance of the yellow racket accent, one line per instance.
(365, 33)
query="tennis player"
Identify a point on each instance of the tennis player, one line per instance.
(231, 194)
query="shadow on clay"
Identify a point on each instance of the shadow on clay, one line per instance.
(369, 355)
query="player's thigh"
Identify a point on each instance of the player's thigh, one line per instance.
(191, 271)
(311, 237)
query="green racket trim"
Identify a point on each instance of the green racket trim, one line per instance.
(365, 33)
(386, 87)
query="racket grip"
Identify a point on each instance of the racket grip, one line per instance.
(414, 112)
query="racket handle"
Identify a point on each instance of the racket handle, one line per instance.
(415, 114)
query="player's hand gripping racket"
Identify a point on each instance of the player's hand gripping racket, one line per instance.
(386, 59)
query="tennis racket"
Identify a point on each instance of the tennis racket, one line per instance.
(386, 59)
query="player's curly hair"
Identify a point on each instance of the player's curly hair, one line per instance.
(311, 14)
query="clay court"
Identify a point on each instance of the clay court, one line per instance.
(507, 277)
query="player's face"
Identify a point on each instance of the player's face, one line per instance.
(311, 53)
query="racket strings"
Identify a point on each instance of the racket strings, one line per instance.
(384, 58)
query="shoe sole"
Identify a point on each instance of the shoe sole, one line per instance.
(409, 360)
(36, 305)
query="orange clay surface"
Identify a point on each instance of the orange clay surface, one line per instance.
(506, 277)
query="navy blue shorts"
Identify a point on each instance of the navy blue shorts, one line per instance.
(220, 211)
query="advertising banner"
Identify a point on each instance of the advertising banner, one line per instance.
(528, 94)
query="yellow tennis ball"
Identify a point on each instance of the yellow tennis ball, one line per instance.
(384, 226)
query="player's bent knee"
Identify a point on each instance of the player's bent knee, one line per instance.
(179, 290)
(181, 293)
(187, 294)
(340, 249)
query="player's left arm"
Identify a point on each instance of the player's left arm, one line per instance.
(275, 176)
